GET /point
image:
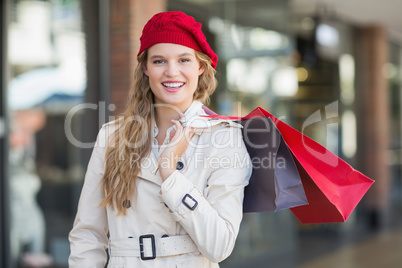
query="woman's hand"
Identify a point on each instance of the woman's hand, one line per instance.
(179, 141)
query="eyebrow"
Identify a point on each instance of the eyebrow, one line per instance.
(186, 54)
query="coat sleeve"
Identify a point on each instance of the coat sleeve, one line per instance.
(214, 223)
(88, 238)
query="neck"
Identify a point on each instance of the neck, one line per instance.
(164, 115)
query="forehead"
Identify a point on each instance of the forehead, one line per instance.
(168, 49)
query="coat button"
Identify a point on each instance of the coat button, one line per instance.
(179, 165)
(126, 203)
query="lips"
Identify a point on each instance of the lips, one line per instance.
(173, 86)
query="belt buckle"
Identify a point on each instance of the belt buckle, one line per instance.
(152, 237)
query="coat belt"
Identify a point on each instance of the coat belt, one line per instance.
(150, 247)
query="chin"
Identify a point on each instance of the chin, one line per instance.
(170, 101)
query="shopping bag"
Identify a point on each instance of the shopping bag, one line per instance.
(333, 188)
(275, 183)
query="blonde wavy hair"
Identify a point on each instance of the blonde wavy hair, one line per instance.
(134, 134)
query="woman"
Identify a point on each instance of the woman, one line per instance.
(166, 183)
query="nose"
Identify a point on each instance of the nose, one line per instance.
(172, 69)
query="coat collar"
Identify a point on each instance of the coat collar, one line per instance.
(194, 116)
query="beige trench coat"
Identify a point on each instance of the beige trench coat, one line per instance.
(215, 168)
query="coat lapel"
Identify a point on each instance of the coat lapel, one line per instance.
(149, 170)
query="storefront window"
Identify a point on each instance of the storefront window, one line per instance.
(393, 71)
(47, 78)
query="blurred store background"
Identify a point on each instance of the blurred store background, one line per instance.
(67, 65)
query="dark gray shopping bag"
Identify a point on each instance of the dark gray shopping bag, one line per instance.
(275, 183)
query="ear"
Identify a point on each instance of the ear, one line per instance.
(201, 69)
(145, 69)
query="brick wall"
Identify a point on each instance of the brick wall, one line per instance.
(127, 18)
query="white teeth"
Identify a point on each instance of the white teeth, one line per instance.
(172, 85)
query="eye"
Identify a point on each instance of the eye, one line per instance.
(158, 62)
(184, 60)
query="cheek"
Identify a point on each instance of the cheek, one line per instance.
(194, 74)
(153, 77)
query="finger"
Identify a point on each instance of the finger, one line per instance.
(176, 123)
(179, 126)
(189, 133)
(179, 131)
(171, 134)
(192, 130)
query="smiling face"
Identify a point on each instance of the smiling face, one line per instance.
(173, 72)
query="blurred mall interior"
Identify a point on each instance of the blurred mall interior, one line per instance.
(67, 65)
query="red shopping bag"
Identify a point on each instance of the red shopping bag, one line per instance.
(333, 188)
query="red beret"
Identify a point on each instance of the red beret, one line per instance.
(177, 28)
